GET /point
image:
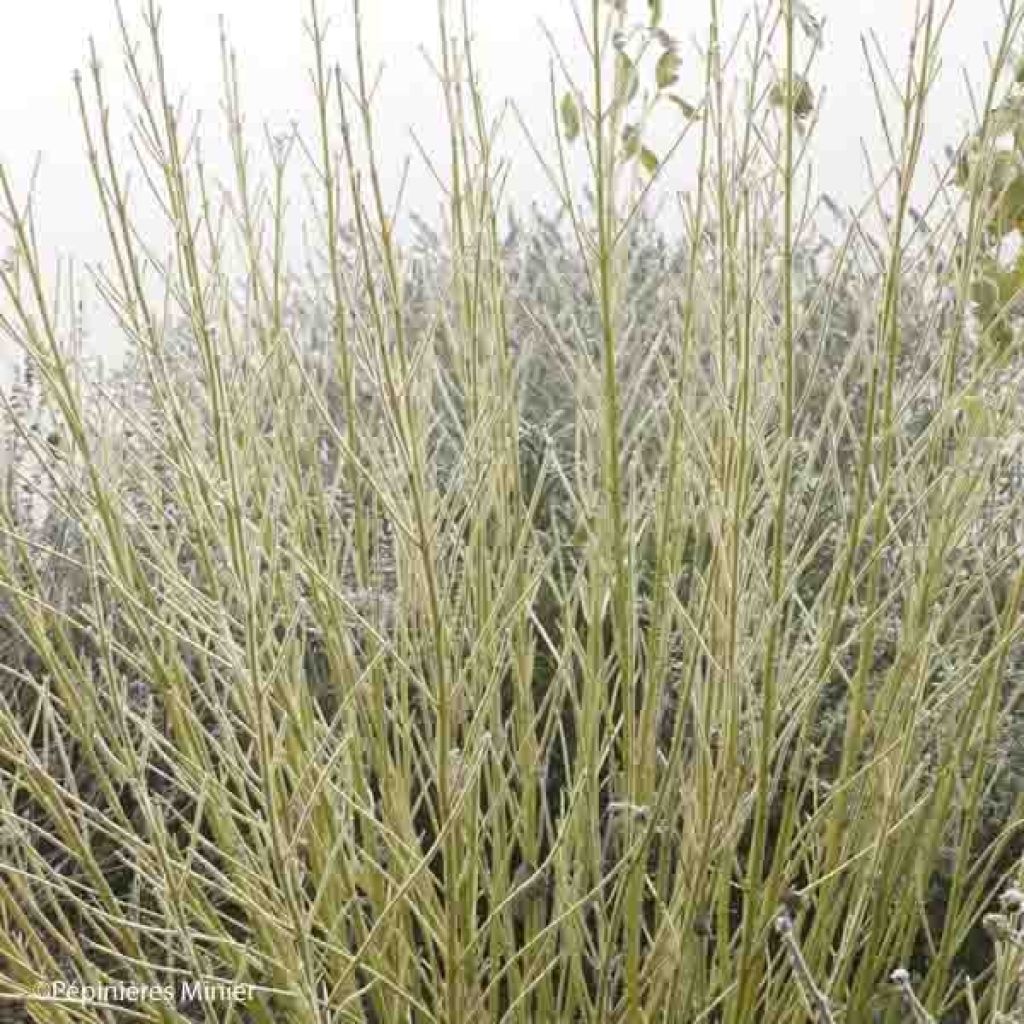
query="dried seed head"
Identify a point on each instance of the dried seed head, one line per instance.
(622, 811)
(995, 924)
(901, 979)
(1012, 900)
(791, 900)
(139, 694)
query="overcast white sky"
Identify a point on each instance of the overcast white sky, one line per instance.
(44, 40)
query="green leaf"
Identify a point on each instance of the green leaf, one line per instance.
(666, 39)
(570, 118)
(666, 72)
(649, 160)
(803, 97)
(627, 81)
(1007, 116)
(690, 112)
(656, 7)
(1006, 188)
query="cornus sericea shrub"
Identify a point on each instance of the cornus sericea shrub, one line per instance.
(504, 623)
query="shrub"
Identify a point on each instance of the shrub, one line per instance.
(484, 624)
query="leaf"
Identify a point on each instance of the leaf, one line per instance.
(666, 72)
(630, 141)
(690, 112)
(570, 118)
(803, 97)
(1006, 188)
(666, 39)
(996, 293)
(649, 160)
(657, 9)
(1007, 116)
(627, 82)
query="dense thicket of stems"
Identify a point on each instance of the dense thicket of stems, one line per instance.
(575, 621)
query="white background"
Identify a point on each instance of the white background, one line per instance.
(43, 41)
